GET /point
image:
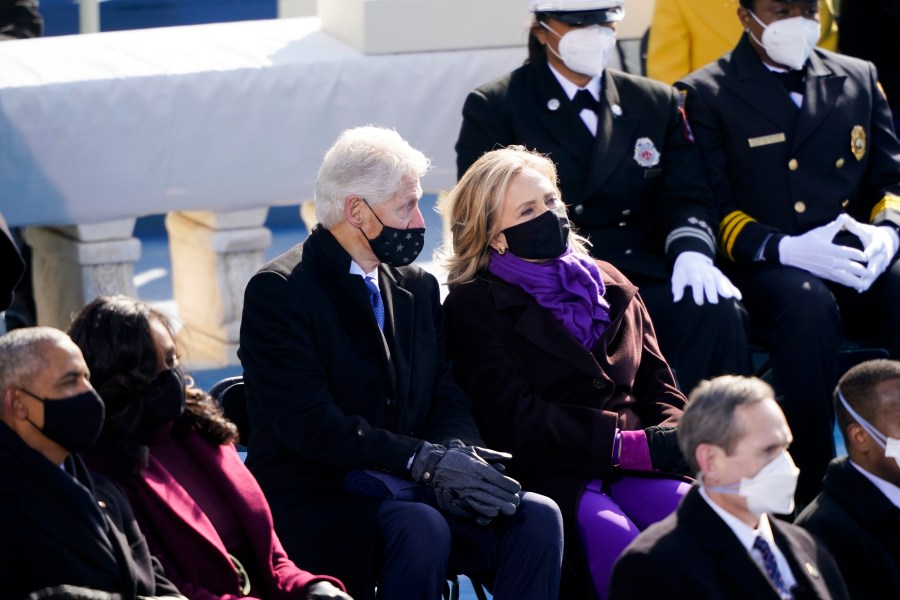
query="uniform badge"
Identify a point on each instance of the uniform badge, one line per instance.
(645, 153)
(616, 110)
(858, 142)
(553, 104)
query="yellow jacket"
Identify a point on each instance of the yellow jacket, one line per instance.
(688, 34)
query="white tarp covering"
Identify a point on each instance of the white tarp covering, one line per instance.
(215, 117)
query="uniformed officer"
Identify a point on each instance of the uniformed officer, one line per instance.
(629, 171)
(799, 149)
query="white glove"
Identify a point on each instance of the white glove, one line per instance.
(814, 251)
(698, 271)
(881, 245)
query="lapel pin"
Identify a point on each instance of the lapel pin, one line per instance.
(553, 104)
(858, 142)
(645, 153)
(616, 110)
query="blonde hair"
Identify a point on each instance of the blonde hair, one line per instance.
(472, 209)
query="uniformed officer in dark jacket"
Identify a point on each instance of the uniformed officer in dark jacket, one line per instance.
(799, 149)
(629, 171)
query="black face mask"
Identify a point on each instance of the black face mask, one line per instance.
(74, 422)
(541, 238)
(163, 397)
(396, 247)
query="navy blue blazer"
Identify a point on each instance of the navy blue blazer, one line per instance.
(693, 555)
(778, 170)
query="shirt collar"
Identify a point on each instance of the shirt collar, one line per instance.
(355, 269)
(593, 86)
(886, 487)
(746, 535)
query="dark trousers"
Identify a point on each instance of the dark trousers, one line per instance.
(520, 557)
(699, 342)
(802, 320)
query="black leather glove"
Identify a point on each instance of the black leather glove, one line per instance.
(460, 473)
(662, 440)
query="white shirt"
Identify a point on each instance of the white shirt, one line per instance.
(593, 86)
(886, 487)
(355, 269)
(746, 535)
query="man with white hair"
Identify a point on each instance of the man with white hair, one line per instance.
(65, 533)
(342, 345)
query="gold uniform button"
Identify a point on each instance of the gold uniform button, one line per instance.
(800, 206)
(793, 164)
(845, 203)
(839, 163)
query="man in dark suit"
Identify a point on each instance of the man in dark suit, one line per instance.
(629, 172)
(59, 525)
(857, 515)
(722, 542)
(800, 152)
(343, 352)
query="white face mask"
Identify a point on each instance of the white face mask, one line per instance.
(585, 50)
(789, 41)
(891, 446)
(770, 490)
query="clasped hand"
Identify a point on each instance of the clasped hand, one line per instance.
(465, 483)
(814, 251)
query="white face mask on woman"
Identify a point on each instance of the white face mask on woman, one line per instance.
(891, 446)
(770, 490)
(788, 42)
(585, 50)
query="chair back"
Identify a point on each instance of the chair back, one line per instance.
(229, 393)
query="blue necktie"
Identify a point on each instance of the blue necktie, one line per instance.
(771, 567)
(375, 299)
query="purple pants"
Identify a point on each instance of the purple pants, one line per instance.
(610, 515)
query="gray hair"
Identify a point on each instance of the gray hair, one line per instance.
(369, 162)
(709, 416)
(22, 354)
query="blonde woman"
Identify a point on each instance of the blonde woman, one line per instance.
(560, 358)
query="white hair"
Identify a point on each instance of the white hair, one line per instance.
(369, 162)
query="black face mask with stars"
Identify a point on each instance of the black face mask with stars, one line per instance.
(396, 247)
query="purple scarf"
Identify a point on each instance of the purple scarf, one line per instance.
(569, 286)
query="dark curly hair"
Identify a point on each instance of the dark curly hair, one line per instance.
(114, 335)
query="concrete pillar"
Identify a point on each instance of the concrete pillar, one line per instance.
(73, 265)
(213, 257)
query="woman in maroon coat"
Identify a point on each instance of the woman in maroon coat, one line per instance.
(170, 449)
(560, 358)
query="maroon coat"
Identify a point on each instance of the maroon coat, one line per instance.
(184, 539)
(539, 394)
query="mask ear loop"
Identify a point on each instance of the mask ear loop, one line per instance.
(879, 438)
(761, 24)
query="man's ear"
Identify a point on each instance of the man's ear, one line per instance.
(353, 209)
(12, 404)
(857, 438)
(709, 459)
